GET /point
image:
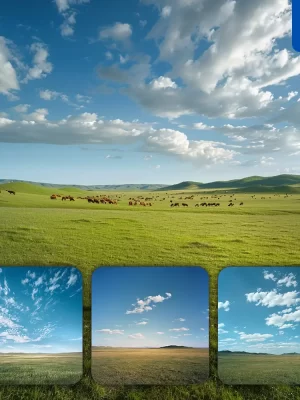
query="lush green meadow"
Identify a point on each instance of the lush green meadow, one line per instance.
(42, 369)
(35, 230)
(127, 366)
(252, 369)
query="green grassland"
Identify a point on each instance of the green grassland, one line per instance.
(284, 180)
(35, 230)
(256, 369)
(127, 366)
(42, 369)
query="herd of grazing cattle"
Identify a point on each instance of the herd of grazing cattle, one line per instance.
(145, 201)
(91, 199)
(150, 201)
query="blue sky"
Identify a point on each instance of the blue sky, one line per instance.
(40, 310)
(259, 309)
(150, 307)
(154, 91)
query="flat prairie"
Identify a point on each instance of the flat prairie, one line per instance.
(132, 366)
(40, 369)
(256, 369)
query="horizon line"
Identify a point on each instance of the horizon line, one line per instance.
(124, 184)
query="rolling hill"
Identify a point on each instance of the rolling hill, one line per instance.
(174, 346)
(187, 185)
(229, 352)
(74, 188)
(285, 183)
(26, 187)
(255, 184)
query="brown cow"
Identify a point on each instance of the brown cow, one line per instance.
(53, 197)
(11, 192)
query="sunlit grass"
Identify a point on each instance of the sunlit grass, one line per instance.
(121, 366)
(252, 369)
(64, 369)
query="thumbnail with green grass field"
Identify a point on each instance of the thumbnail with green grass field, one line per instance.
(150, 325)
(40, 326)
(258, 330)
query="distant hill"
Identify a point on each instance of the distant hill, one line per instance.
(258, 354)
(256, 183)
(228, 352)
(279, 180)
(22, 187)
(173, 346)
(243, 352)
(187, 185)
(268, 189)
(26, 187)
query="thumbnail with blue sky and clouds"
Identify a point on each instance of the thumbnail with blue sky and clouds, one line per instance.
(40, 310)
(259, 309)
(147, 91)
(150, 307)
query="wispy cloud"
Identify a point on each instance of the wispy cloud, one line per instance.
(179, 329)
(224, 305)
(111, 331)
(148, 303)
(273, 298)
(254, 337)
(137, 336)
(37, 316)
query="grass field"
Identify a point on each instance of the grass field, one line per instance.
(251, 369)
(38, 230)
(42, 369)
(35, 230)
(124, 366)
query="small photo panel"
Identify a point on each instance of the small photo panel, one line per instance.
(258, 326)
(150, 325)
(40, 325)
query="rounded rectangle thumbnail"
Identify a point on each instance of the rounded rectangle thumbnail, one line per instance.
(150, 325)
(258, 326)
(40, 325)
